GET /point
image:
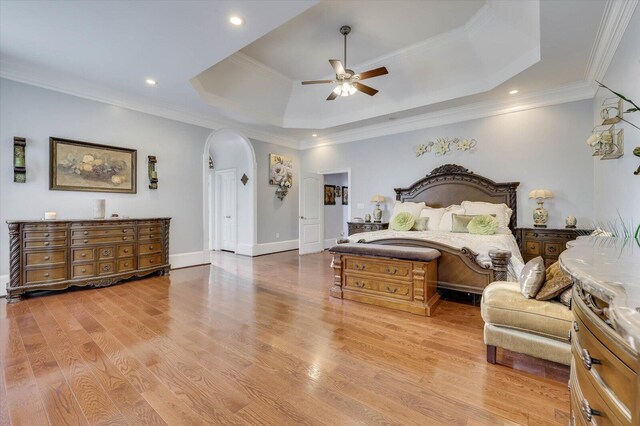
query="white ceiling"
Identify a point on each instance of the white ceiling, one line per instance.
(104, 50)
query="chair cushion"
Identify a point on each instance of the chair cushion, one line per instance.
(503, 305)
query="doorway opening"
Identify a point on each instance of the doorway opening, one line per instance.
(336, 215)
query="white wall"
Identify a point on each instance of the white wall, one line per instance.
(228, 152)
(276, 216)
(37, 114)
(335, 217)
(616, 188)
(540, 148)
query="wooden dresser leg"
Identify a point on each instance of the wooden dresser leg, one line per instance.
(491, 354)
(336, 287)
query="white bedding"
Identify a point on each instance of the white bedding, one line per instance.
(481, 244)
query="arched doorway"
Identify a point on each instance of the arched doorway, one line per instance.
(230, 150)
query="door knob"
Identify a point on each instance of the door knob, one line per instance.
(228, 217)
(301, 217)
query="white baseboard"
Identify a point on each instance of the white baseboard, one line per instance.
(266, 248)
(245, 249)
(4, 280)
(183, 260)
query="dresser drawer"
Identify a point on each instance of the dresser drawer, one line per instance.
(101, 240)
(35, 276)
(532, 248)
(553, 248)
(150, 247)
(125, 265)
(83, 255)
(45, 234)
(42, 258)
(45, 244)
(395, 269)
(388, 288)
(52, 226)
(603, 369)
(101, 232)
(108, 252)
(126, 250)
(149, 236)
(142, 230)
(83, 270)
(150, 261)
(587, 405)
(106, 268)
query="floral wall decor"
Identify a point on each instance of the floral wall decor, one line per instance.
(280, 174)
(442, 146)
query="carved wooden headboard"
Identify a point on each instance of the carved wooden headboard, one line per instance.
(452, 184)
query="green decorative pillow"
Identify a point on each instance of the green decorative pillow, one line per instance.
(420, 224)
(402, 221)
(483, 224)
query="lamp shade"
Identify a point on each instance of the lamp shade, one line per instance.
(541, 193)
(377, 199)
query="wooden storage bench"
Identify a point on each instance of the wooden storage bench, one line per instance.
(401, 278)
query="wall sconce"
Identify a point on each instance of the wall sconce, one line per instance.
(19, 160)
(611, 112)
(153, 174)
(606, 142)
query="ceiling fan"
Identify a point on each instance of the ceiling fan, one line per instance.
(348, 82)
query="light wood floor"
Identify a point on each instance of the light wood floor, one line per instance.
(257, 341)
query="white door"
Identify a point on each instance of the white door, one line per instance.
(227, 205)
(311, 225)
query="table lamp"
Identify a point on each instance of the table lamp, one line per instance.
(540, 214)
(377, 213)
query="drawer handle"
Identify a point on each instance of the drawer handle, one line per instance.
(46, 258)
(535, 235)
(46, 274)
(85, 233)
(150, 235)
(359, 267)
(126, 250)
(126, 264)
(150, 260)
(391, 290)
(124, 238)
(86, 241)
(587, 360)
(46, 243)
(83, 270)
(84, 255)
(124, 231)
(576, 328)
(46, 235)
(150, 247)
(392, 272)
(150, 229)
(360, 284)
(588, 411)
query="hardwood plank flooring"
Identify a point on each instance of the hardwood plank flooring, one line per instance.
(258, 341)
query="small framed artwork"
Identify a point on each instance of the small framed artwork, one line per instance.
(345, 195)
(329, 195)
(338, 191)
(84, 166)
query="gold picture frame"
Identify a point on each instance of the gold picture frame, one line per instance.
(84, 166)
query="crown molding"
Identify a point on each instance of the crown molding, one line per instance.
(616, 17)
(29, 75)
(575, 91)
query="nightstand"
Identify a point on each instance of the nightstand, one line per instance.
(357, 227)
(545, 242)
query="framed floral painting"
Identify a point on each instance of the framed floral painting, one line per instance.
(280, 170)
(83, 166)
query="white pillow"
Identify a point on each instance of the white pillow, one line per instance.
(409, 207)
(447, 221)
(502, 212)
(434, 215)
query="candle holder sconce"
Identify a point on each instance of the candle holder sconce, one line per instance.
(153, 174)
(19, 160)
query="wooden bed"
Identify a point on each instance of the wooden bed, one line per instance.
(452, 184)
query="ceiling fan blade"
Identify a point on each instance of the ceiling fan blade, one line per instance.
(332, 96)
(373, 73)
(365, 89)
(337, 66)
(317, 82)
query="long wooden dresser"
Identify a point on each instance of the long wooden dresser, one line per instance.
(605, 340)
(55, 255)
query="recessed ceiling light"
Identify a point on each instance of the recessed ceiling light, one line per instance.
(314, 135)
(151, 82)
(513, 92)
(236, 20)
